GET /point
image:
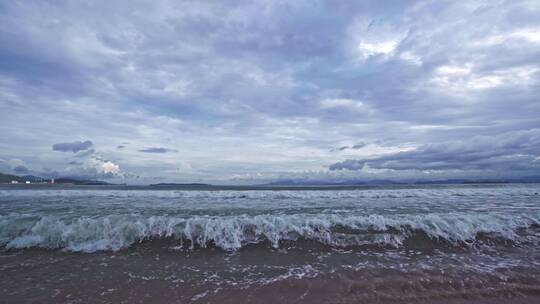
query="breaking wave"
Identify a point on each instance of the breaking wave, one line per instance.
(231, 233)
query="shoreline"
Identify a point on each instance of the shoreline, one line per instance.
(44, 186)
(131, 277)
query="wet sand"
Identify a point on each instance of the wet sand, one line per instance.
(131, 276)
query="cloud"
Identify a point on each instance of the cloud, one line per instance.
(15, 165)
(265, 87)
(157, 150)
(105, 167)
(353, 147)
(91, 168)
(21, 170)
(376, 48)
(74, 147)
(508, 152)
(359, 145)
(331, 103)
(85, 153)
(4, 166)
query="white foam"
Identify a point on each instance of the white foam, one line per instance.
(115, 232)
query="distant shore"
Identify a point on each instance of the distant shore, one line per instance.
(208, 187)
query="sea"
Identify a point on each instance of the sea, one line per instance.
(473, 243)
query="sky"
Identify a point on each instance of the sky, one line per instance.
(247, 92)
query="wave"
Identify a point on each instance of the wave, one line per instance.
(231, 233)
(368, 193)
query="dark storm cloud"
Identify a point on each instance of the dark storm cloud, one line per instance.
(359, 146)
(512, 151)
(157, 150)
(353, 147)
(74, 147)
(21, 170)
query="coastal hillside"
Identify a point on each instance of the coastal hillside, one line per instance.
(7, 178)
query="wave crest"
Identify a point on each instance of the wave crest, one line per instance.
(116, 232)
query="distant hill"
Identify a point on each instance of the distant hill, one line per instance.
(74, 181)
(35, 179)
(179, 185)
(288, 182)
(7, 178)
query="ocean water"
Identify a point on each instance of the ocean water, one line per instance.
(390, 244)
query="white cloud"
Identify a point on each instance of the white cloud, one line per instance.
(411, 57)
(104, 166)
(460, 78)
(530, 35)
(110, 167)
(371, 150)
(373, 37)
(368, 48)
(330, 103)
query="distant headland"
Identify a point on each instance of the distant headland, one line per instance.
(32, 179)
(281, 184)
